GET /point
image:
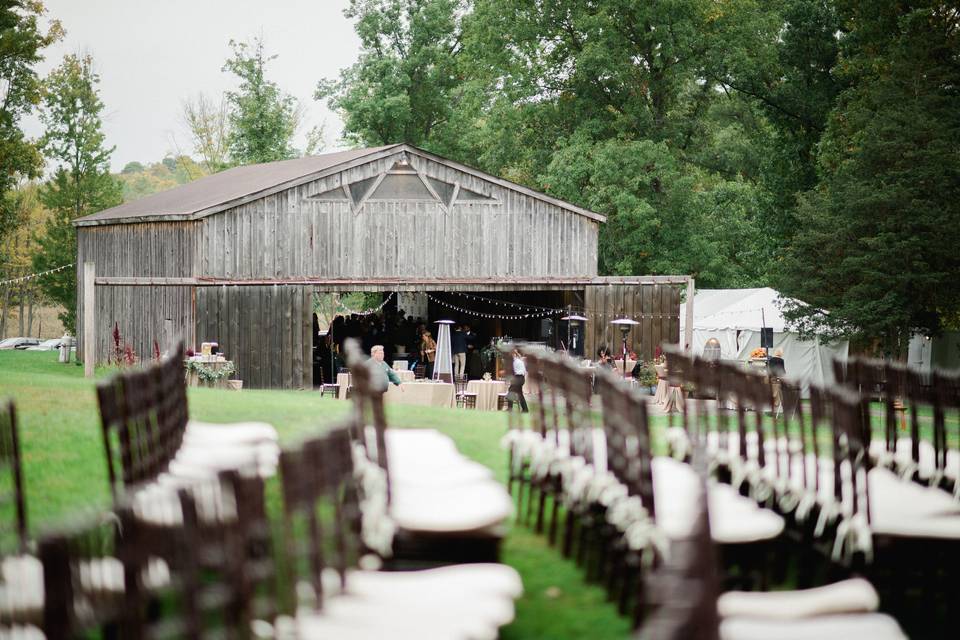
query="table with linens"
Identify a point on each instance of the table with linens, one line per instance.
(425, 394)
(487, 392)
(343, 380)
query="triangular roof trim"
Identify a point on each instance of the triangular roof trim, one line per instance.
(233, 187)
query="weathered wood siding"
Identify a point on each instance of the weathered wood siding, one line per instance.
(288, 234)
(166, 249)
(655, 306)
(265, 330)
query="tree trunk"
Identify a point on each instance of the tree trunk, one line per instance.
(3, 311)
(30, 315)
(20, 303)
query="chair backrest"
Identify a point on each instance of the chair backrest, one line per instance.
(81, 576)
(321, 514)
(143, 416)
(11, 478)
(683, 590)
(369, 385)
(221, 566)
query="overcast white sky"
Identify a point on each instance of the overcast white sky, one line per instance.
(151, 54)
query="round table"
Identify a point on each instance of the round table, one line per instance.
(428, 394)
(344, 381)
(487, 392)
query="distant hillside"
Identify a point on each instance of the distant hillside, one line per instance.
(141, 180)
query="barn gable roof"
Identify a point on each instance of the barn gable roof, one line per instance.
(232, 187)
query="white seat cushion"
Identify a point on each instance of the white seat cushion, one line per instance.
(236, 432)
(21, 588)
(465, 579)
(27, 632)
(863, 626)
(424, 469)
(470, 507)
(849, 596)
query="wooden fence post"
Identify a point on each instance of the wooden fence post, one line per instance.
(688, 326)
(89, 318)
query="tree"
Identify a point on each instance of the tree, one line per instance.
(21, 42)
(406, 85)
(877, 247)
(262, 118)
(208, 122)
(81, 183)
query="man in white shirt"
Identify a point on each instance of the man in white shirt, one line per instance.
(516, 383)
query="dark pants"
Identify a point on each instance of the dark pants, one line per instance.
(516, 391)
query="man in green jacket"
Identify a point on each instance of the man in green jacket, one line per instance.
(376, 352)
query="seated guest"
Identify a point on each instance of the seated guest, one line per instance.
(604, 359)
(389, 375)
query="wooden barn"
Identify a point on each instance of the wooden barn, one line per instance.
(238, 256)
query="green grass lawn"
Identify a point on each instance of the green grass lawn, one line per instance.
(65, 472)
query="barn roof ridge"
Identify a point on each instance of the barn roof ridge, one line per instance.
(219, 191)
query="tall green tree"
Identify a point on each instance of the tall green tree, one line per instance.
(407, 85)
(81, 183)
(262, 118)
(22, 40)
(877, 246)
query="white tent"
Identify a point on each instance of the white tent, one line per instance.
(735, 316)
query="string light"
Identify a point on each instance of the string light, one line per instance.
(594, 315)
(498, 316)
(34, 276)
(368, 312)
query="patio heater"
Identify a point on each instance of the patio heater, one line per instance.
(625, 325)
(573, 322)
(443, 360)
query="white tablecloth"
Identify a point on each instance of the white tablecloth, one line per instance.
(487, 392)
(427, 394)
(343, 379)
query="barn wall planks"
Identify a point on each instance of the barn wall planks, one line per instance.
(149, 249)
(142, 327)
(655, 306)
(291, 234)
(265, 330)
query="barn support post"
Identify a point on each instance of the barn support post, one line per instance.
(89, 318)
(688, 327)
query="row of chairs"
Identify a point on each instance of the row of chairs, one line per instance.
(593, 466)
(915, 439)
(812, 464)
(441, 506)
(192, 552)
(634, 516)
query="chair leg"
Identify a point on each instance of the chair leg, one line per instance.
(541, 508)
(554, 514)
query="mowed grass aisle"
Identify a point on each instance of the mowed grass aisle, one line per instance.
(65, 472)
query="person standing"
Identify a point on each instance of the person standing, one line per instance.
(458, 345)
(428, 352)
(517, 382)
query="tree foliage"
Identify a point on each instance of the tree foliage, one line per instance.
(262, 118)
(207, 120)
(406, 85)
(878, 243)
(808, 144)
(81, 183)
(22, 40)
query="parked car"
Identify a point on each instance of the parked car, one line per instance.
(19, 343)
(47, 345)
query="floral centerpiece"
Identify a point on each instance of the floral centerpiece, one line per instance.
(758, 353)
